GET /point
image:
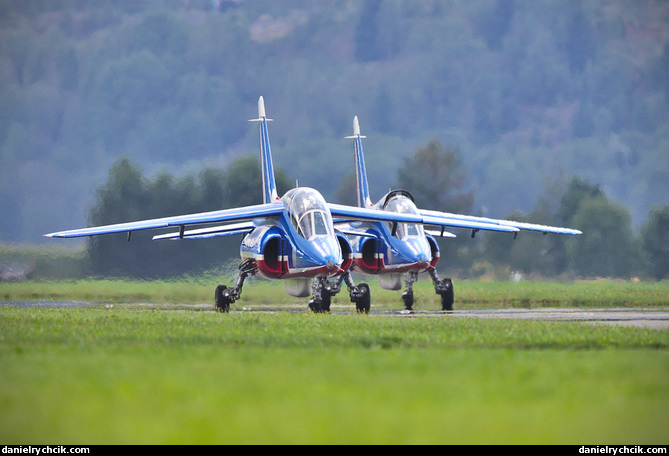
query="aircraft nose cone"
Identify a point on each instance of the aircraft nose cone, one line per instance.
(422, 261)
(330, 265)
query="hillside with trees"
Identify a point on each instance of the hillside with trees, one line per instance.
(533, 96)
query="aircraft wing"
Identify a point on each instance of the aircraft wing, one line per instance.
(502, 223)
(360, 213)
(433, 218)
(438, 219)
(205, 233)
(225, 215)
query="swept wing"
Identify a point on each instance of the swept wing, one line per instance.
(225, 215)
(348, 213)
(465, 219)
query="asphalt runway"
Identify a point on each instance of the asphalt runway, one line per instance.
(643, 318)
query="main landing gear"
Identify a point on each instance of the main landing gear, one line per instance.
(226, 296)
(443, 287)
(323, 291)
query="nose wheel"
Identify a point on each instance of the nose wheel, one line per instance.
(407, 299)
(443, 287)
(407, 296)
(324, 290)
(322, 303)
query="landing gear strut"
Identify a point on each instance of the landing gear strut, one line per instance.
(226, 296)
(443, 287)
(320, 302)
(324, 290)
(407, 296)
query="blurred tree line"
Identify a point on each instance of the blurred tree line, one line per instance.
(524, 89)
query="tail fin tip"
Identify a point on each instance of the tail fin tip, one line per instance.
(268, 182)
(362, 189)
(356, 129)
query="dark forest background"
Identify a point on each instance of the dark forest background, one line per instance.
(529, 106)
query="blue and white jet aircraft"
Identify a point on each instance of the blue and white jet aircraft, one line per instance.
(390, 249)
(289, 238)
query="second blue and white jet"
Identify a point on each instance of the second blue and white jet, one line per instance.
(390, 249)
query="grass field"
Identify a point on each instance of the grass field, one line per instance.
(168, 374)
(468, 294)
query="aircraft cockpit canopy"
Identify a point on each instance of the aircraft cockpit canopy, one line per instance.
(400, 203)
(308, 213)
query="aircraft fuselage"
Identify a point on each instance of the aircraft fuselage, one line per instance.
(393, 247)
(301, 243)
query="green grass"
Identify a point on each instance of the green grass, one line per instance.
(468, 294)
(169, 374)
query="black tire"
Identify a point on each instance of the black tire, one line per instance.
(407, 298)
(447, 296)
(321, 306)
(364, 304)
(222, 302)
(326, 299)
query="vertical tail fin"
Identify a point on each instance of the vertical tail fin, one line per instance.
(268, 183)
(361, 187)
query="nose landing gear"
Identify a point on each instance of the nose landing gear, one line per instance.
(443, 287)
(324, 290)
